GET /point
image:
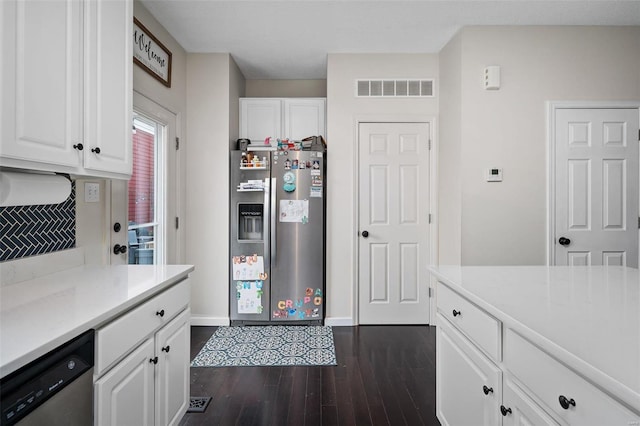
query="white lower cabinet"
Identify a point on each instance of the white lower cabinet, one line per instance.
(510, 381)
(520, 409)
(172, 373)
(125, 395)
(469, 385)
(142, 378)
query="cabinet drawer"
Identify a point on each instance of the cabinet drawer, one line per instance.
(117, 338)
(478, 325)
(548, 380)
(523, 410)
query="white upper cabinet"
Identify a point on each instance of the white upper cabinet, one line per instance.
(66, 86)
(293, 118)
(303, 118)
(260, 118)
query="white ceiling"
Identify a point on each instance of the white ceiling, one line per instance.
(291, 39)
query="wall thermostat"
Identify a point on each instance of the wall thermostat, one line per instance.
(494, 175)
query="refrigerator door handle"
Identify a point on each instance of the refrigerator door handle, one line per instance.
(273, 216)
(266, 221)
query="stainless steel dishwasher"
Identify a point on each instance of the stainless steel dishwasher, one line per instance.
(56, 389)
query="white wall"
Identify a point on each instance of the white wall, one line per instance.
(286, 88)
(505, 223)
(207, 206)
(343, 109)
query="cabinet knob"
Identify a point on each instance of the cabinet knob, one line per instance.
(79, 147)
(486, 390)
(160, 313)
(565, 402)
(166, 349)
(456, 313)
(504, 410)
(365, 234)
(96, 150)
(154, 360)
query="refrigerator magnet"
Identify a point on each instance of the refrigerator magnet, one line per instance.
(295, 165)
(316, 192)
(289, 182)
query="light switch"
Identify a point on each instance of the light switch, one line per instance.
(91, 192)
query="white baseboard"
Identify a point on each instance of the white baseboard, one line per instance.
(339, 321)
(203, 320)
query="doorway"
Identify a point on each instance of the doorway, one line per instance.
(149, 202)
(593, 184)
(394, 246)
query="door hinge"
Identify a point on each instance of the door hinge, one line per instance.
(430, 292)
(177, 143)
(429, 144)
(177, 223)
(429, 217)
(639, 223)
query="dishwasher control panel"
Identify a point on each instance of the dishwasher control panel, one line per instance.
(26, 389)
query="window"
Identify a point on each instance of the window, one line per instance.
(146, 234)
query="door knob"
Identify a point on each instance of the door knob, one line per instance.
(365, 234)
(118, 249)
(564, 241)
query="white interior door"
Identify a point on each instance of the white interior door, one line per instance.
(393, 223)
(596, 188)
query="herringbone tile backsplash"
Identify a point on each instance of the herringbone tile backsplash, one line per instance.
(31, 230)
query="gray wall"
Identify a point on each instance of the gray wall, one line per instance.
(505, 223)
(214, 86)
(286, 88)
(343, 111)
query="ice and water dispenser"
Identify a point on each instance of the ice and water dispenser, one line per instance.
(250, 218)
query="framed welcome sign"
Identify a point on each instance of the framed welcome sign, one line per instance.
(150, 54)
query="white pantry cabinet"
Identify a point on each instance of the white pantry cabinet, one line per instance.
(279, 118)
(142, 363)
(66, 86)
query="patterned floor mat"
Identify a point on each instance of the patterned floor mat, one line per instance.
(268, 346)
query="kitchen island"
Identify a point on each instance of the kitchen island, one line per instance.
(540, 344)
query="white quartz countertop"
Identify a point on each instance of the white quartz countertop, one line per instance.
(587, 317)
(40, 314)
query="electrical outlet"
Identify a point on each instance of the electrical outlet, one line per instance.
(91, 192)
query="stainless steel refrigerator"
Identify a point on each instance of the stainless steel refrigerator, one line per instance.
(277, 241)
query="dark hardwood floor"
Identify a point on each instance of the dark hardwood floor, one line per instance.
(385, 376)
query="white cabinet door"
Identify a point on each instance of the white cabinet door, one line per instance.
(260, 118)
(462, 373)
(303, 118)
(523, 411)
(172, 380)
(124, 396)
(108, 86)
(41, 84)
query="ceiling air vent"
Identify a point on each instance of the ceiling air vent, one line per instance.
(396, 88)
